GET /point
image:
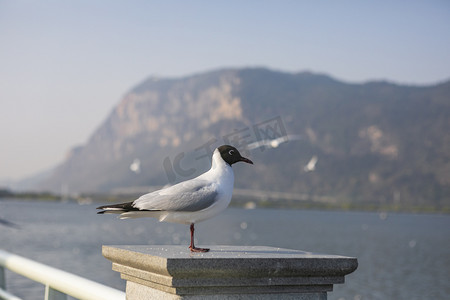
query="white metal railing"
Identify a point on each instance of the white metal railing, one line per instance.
(4, 295)
(58, 283)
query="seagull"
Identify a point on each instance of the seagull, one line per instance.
(136, 166)
(190, 201)
(8, 223)
(274, 143)
(311, 165)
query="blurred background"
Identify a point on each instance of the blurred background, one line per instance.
(343, 106)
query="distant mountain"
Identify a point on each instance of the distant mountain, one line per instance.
(29, 183)
(376, 142)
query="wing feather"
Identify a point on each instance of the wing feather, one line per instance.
(188, 196)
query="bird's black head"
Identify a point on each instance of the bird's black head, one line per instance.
(231, 155)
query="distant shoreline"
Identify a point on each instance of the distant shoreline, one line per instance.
(240, 200)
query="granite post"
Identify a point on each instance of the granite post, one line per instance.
(227, 272)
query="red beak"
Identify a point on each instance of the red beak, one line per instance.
(246, 160)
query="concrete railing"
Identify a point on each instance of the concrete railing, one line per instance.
(58, 283)
(227, 272)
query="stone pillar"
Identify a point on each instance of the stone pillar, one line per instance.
(227, 272)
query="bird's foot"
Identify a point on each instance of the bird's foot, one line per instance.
(195, 249)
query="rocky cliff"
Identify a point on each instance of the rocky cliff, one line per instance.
(375, 142)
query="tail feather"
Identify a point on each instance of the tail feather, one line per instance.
(120, 208)
(117, 208)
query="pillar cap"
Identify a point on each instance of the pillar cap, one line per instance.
(232, 269)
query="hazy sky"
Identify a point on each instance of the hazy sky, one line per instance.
(65, 64)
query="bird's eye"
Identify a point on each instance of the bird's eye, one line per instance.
(231, 152)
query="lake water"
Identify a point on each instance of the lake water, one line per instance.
(401, 256)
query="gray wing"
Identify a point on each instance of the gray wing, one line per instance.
(191, 195)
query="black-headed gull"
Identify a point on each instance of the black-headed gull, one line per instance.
(190, 201)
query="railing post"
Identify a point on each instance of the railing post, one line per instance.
(2, 278)
(52, 294)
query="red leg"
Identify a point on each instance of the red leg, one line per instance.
(192, 247)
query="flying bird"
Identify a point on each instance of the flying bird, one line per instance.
(136, 166)
(311, 165)
(274, 143)
(8, 223)
(190, 201)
